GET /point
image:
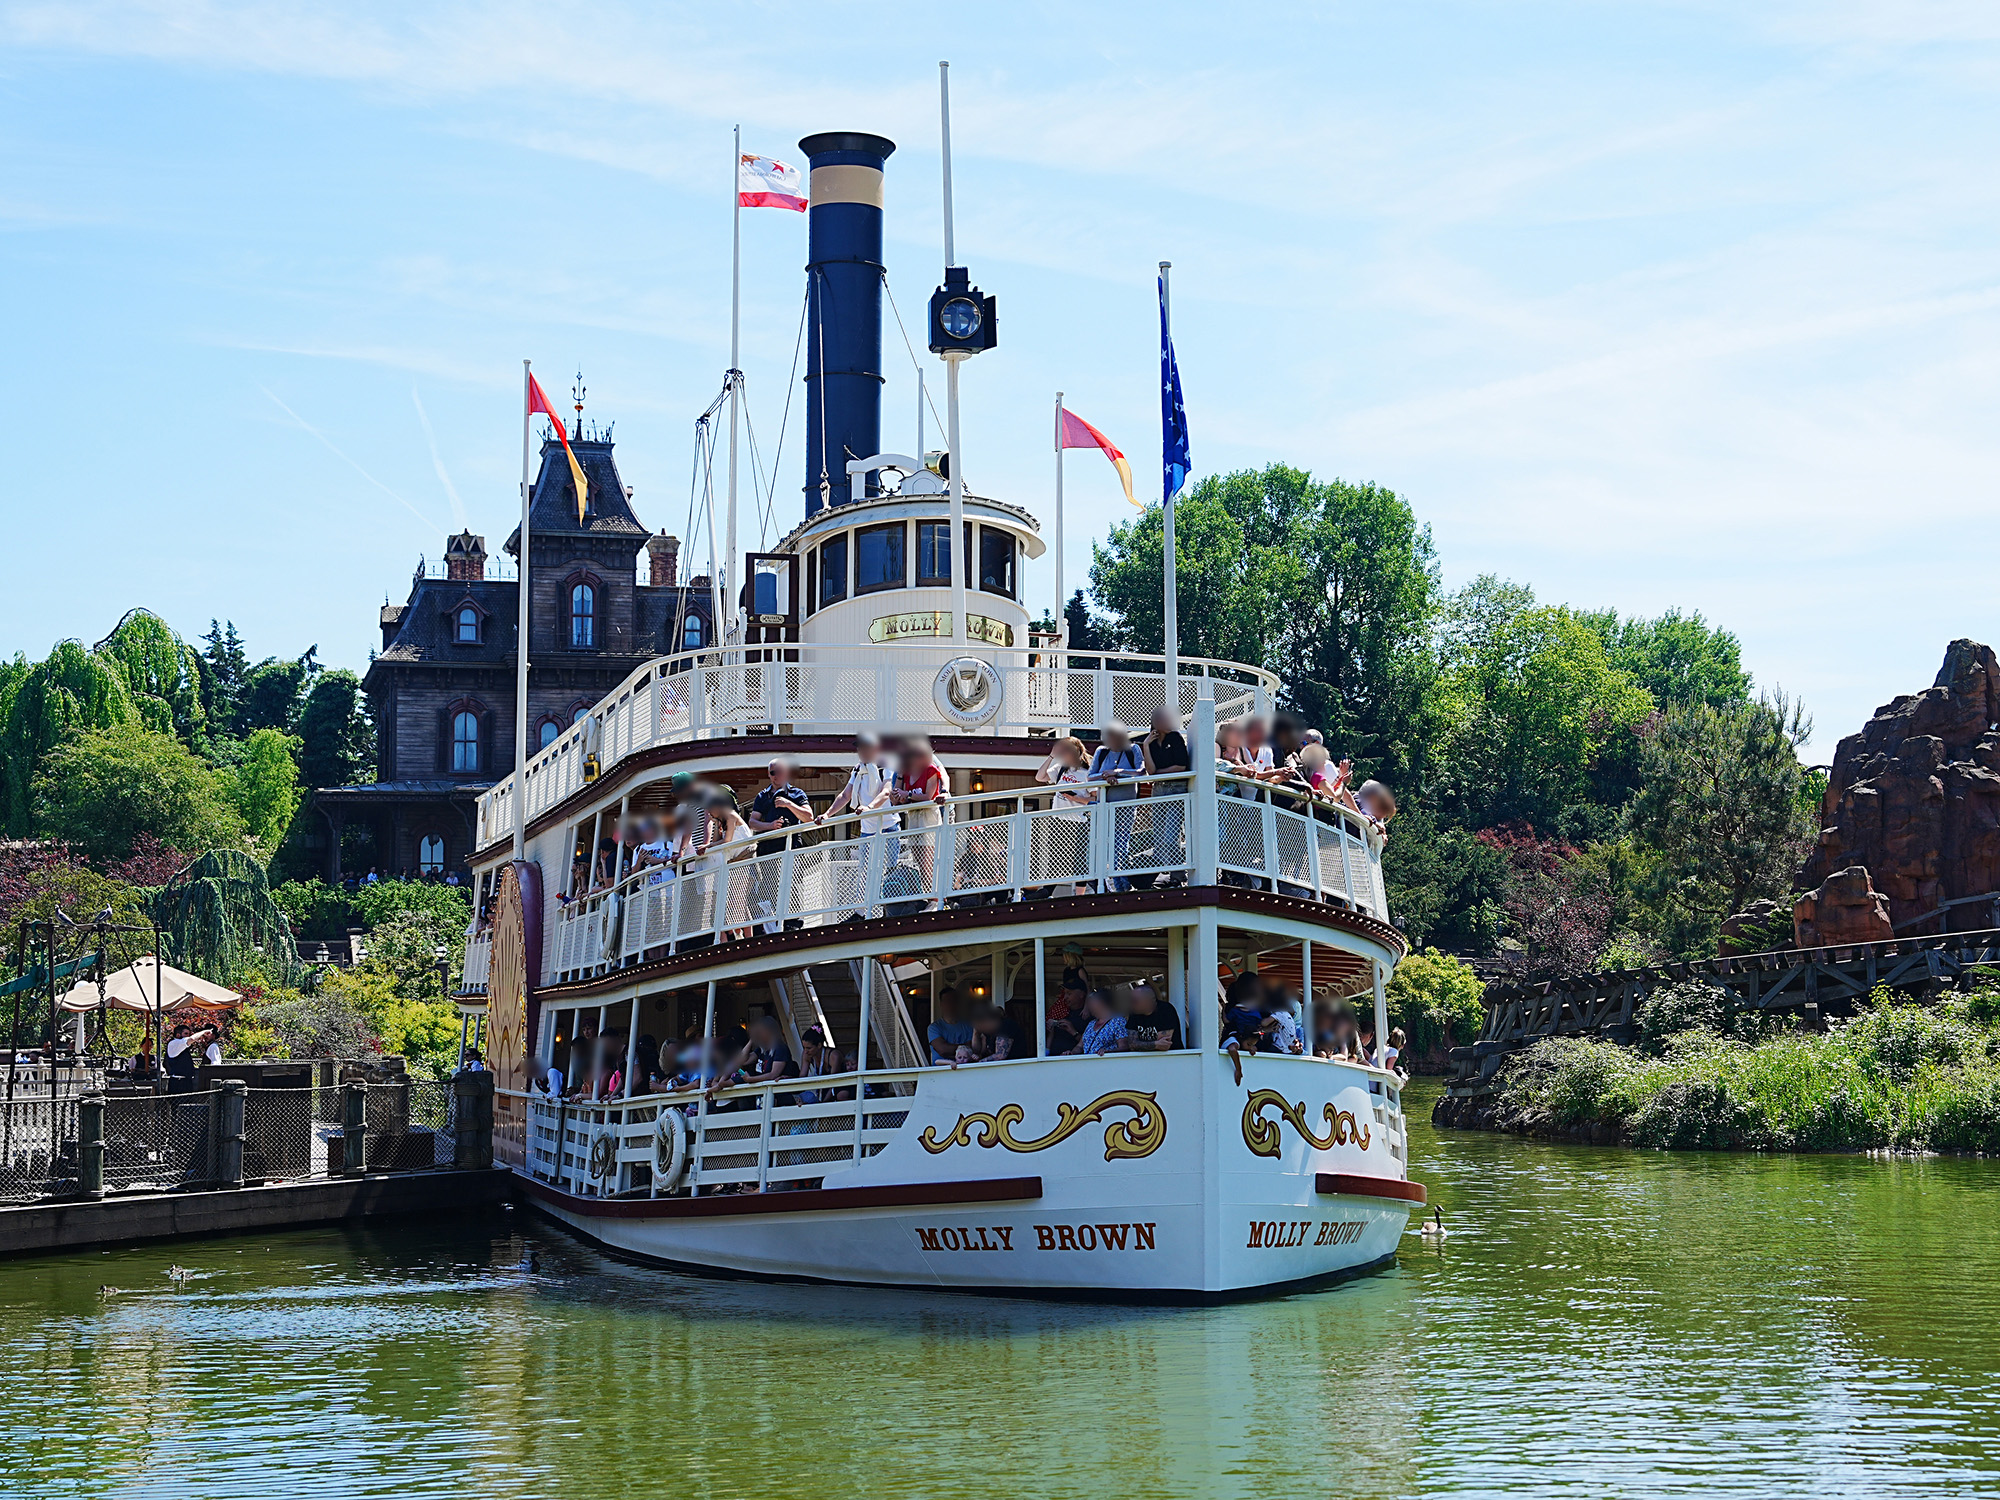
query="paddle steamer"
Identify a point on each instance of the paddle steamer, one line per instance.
(1155, 1175)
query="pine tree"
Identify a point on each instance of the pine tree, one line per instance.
(226, 667)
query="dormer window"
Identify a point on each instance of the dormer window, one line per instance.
(691, 633)
(465, 627)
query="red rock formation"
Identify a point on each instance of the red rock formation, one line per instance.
(1846, 908)
(1914, 800)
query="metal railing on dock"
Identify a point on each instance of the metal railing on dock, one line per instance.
(232, 1135)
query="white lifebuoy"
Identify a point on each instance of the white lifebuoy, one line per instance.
(967, 691)
(670, 1149)
(603, 1155)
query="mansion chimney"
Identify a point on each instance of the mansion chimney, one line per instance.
(465, 557)
(663, 554)
(844, 308)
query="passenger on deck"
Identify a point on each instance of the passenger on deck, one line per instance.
(1325, 1034)
(948, 1032)
(764, 1059)
(995, 1038)
(1059, 846)
(1365, 1043)
(1120, 763)
(1106, 1029)
(1151, 1025)
(916, 791)
(1375, 801)
(865, 785)
(1166, 753)
(1247, 1022)
(1068, 1018)
(1289, 1034)
(728, 838)
(1392, 1059)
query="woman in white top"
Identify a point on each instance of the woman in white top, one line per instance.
(728, 842)
(1059, 846)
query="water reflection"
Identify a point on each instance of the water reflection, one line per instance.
(1598, 1322)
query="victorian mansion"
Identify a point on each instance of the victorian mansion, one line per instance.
(441, 688)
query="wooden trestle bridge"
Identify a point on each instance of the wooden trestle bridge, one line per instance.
(1814, 982)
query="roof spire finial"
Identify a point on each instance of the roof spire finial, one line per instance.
(576, 394)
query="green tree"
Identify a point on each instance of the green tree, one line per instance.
(162, 672)
(272, 693)
(1331, 584)
(1446, 887)
(1526, 716)
(1719, 808)
(1436, 999)
(71, 690)
(225, 666)
(1679, 659)
(263, 787)
(100, 789)
(336, 740)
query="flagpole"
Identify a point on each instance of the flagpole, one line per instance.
(735, 362)
(960, 567)
(1173, 610)
(1062, 600)
(520, 797)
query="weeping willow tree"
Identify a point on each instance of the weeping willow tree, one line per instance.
(74, 688)
(162, 671)
(217, 919)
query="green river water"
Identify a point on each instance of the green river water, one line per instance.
(1598, 1323)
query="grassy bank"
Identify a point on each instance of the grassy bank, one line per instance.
(1898, 1076)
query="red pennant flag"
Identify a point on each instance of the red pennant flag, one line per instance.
(539, 403)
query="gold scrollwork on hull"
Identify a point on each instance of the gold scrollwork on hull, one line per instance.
(1261, 1135)
(1141, 1135)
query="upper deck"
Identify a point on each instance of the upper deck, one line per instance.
(834, 690)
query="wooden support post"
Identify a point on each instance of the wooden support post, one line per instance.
(229, 1099)
(90, 1146)
(354, 1128)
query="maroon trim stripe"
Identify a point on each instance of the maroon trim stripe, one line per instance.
(1370, 1187)
(804, 1201)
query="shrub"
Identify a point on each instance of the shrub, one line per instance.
(1565, 1080)
(1436, 998)
(1673, 1008)
(1696, 1114)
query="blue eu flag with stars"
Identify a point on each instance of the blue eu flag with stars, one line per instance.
(1173, 415)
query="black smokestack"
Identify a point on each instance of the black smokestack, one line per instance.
(844, 318)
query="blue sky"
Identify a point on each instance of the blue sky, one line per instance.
(1642, 305)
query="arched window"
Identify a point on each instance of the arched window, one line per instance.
(577, 714)
(465, 741)
(582, 617)
(550, 729)
(465, 627)
(691, 633)
(430, 854)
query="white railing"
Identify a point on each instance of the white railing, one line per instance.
(770, 1136)
(988, 850)
(478, 964)
(841, 689)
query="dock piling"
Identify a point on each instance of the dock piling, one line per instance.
(90, 1146)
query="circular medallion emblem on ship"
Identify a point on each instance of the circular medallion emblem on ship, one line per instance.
(967, 692)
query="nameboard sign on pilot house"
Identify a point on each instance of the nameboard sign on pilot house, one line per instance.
(937, 622)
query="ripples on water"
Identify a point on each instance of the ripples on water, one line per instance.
(1597, 1323)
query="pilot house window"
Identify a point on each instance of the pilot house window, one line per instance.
(582, 617)
(465, 741)
(934, 553)
(996, 561)
(878, 558)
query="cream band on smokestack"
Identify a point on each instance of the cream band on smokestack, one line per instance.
(846, 184)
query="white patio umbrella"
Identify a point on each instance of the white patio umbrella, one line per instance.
(150, 984)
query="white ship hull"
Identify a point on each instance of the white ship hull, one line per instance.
(1131, 1176)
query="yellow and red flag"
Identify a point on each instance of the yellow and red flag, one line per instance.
(1077, 433)
(538, 402)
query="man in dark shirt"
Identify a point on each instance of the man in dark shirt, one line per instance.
(1067, 1020)
(1247, 1022)
(778, 805)
(1153, 1025)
